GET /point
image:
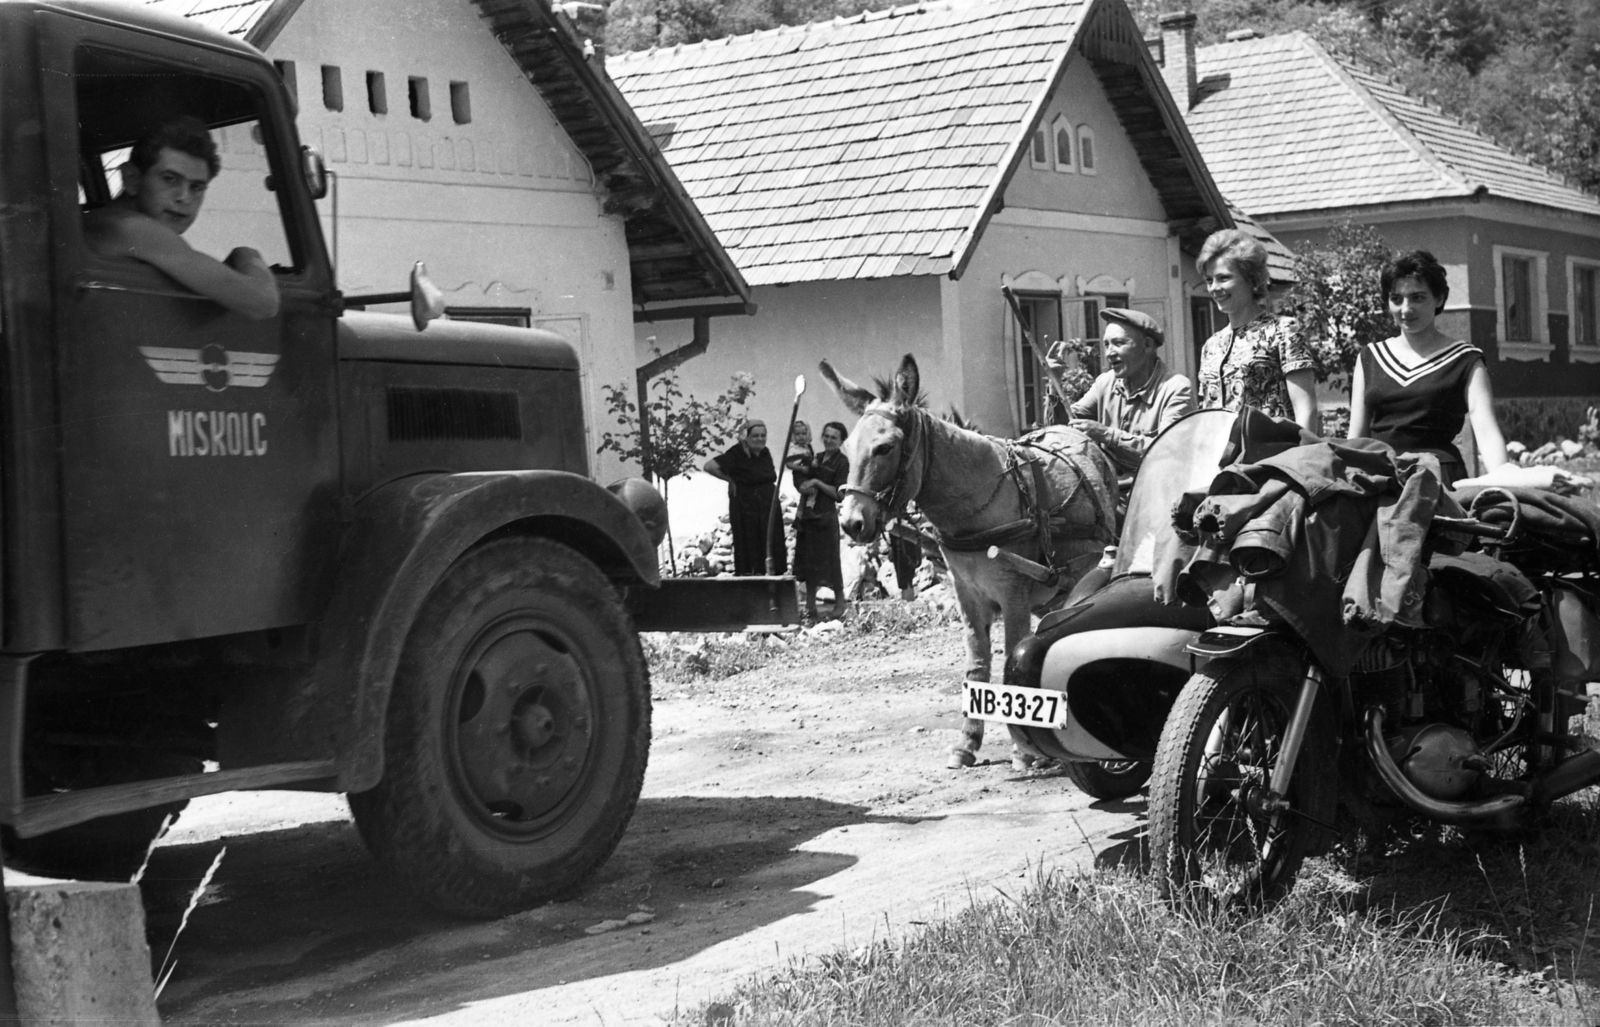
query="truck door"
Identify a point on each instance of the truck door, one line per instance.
(199, 459)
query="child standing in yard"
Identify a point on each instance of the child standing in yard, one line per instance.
(1416, 390)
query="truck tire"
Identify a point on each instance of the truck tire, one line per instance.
(1107, 780)
(517, 735)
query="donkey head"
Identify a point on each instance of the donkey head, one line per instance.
(883, 475)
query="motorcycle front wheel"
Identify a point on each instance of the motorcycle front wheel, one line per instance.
(1215, 832)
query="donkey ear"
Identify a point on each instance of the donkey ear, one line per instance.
(907, 382)
(855, 398)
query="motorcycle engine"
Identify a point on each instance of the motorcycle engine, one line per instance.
(1433, 757)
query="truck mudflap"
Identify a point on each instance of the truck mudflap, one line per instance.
(404, 537)
(714, 604)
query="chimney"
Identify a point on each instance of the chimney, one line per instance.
(1177, 47)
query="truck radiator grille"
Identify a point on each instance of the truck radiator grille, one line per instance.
(423, 414)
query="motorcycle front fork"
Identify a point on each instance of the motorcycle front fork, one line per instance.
(1294, 738)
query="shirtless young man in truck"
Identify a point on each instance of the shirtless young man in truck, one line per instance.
(163, 186)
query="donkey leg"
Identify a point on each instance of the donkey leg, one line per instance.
(979, 621)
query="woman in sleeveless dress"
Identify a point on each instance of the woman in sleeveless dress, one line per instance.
(1416, 390)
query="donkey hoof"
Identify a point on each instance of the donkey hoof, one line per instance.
(961, 759)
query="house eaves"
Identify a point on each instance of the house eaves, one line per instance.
(673, 253)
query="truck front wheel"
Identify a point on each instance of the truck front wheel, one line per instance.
(517, 734)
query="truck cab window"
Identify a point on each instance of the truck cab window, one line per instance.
(123, 99)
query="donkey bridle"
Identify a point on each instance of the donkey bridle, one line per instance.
(888, 497)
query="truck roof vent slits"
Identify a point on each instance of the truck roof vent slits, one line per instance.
(417, 415)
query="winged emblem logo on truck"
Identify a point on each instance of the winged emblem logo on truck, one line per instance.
(212, 366)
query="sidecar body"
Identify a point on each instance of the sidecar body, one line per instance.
(1112, 653)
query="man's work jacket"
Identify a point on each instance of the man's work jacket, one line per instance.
(1134, 419)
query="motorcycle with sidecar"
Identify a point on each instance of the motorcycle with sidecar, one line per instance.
(1257, 755)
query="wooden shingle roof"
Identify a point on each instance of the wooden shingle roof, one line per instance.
(1286, 126)
(879, 145)
(254, 21)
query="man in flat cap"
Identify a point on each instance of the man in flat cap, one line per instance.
(1136, 397)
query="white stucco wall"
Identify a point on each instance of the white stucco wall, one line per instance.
(1118, 184)
(503, 209)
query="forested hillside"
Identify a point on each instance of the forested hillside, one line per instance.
(1527, 72)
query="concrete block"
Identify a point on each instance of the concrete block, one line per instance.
(78, 952)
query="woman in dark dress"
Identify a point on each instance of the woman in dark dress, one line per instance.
(816, 529)
(1416, 390)
(752, 480)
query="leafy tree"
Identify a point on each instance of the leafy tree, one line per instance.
(683, 430)
(1338, 300)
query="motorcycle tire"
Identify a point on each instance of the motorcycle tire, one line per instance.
(1108, 780)
(1210, 836)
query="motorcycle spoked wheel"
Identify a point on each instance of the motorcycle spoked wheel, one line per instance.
(1212, 839)
(1106, 780)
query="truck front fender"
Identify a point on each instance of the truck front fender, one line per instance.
(405, 535)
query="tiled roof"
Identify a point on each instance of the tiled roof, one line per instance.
(1280, 259)
(859, 148)
(1287, 126)
(235, 17)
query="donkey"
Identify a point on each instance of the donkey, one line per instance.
(1053, 489)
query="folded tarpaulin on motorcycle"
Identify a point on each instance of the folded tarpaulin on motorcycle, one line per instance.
(1569, 528)
(1327, 534)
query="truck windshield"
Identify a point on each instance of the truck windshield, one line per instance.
(1184, 457)
(123, 98)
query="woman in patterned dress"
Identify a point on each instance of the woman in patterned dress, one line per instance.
(1415, 391)
(816, 526)
(1259, 360)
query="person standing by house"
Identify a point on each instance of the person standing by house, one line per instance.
(1259, 360)
(1135, 398)
(816, 528)
(752, 481)
(1416, 390)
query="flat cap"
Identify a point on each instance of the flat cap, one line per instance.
(1134, 319)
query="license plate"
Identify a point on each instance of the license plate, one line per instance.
(1035, 707)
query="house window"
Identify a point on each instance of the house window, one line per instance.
(377, 93)
(1040, 155)
(421, 105)
(460, 103)
(516, 317)
(1522, 301)
(286, 72)
(1518, 272)
(1583, 292)
(1086, 154)
(1063, 146)
(1041, 319)
(332, 87)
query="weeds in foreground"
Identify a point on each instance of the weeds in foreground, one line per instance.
(1102, 948)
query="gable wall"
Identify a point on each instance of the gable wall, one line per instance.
(503, 209)
(1119, 186)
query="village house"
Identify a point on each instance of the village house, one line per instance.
(879, 179)
(1303, 139)
(482, 137)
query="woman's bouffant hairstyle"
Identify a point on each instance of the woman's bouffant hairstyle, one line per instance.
(844, 433)
(1247, 254)
(1416, 264)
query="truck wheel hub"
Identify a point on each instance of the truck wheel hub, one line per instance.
(522, 723)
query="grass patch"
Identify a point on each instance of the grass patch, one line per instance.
(1103, 949)
(1457, 930)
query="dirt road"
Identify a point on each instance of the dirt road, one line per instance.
(787, 811)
